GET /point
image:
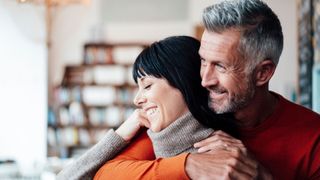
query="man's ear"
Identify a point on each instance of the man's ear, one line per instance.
(264, 72)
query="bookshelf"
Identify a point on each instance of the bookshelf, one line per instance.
(92, 98)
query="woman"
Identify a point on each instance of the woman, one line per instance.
(171, 102)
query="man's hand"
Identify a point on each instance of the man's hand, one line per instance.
(220, 140)
(223, 157)
(131, 126)
(220, 164)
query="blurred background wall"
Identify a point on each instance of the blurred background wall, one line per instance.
(88, 23)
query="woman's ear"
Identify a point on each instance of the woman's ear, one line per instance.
(264, 72)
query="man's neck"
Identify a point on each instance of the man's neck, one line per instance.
(261, 106)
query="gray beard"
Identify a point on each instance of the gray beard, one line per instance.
(235, 103)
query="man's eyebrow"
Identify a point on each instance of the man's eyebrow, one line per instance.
(200, 52)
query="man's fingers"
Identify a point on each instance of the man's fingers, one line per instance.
(219, 164)
(241, 166)
(218, 136)
(221, 133)
(210, 147)
(218, 140)
(245, 162)
(218, 143)
(234, 149)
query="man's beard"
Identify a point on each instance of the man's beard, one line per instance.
(235, 101)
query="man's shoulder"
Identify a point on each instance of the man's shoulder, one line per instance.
(295, 116)
(296, 110)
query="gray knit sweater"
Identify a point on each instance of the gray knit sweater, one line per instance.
(88, 164)
(178, 137)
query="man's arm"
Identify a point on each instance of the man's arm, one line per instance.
(222, 156)
(136, 162)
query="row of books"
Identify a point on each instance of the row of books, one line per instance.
(74, 115)
(99, 75)
(65, 95)
(70, 136)
(111, 116)
(67, 115)
(95, 95)
(100, 96)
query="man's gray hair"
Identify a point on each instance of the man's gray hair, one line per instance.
(261, 32)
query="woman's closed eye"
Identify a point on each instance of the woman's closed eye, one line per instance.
(147, 86)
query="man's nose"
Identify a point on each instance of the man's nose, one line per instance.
(208, 76)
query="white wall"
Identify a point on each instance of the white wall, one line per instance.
(75, 25)
(285, 79)
(23, 98)
(74, 28)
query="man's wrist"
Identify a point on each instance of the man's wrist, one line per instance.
(189, 165)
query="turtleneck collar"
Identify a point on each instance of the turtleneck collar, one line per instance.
(179, 136)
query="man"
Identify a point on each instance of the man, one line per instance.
(240, 50)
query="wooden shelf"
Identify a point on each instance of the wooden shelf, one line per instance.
(75, 115)
(84, 126)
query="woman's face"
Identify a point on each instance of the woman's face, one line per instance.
(161, 103)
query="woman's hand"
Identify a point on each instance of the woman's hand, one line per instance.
(131, 126)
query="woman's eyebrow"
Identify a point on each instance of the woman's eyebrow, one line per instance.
(142, 79)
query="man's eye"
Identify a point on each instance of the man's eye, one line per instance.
(220, 68)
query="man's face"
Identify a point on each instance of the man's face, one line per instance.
(223, 72)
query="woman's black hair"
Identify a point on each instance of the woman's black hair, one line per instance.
(176, 59)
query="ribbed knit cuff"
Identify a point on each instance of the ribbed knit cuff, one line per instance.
(114, 140)
(86, 165)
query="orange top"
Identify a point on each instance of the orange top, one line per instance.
(138, 161)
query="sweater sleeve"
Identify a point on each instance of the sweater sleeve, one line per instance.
(137, 161)
(87, 165)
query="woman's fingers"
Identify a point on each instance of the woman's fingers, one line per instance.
(143, 119)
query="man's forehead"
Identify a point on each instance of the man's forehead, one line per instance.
(222, 42)
(213, 50)
(226, 36)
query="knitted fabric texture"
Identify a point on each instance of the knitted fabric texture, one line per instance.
(178, 137)
(87, 165)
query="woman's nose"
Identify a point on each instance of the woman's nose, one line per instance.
(139, 99)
